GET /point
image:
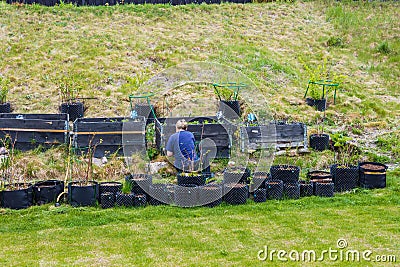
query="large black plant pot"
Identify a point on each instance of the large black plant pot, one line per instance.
(235, 194)
(107, 200)
(186, 195)
(372, 175)
(274, 189)
(258, 180)
(83, 194)
(160, 194)
(291, 190)
(47, 191)
(210, 195)
(260, 195)
(286, 173)
(5, 108)
(140, 182)
(140, 200)
(324, 189)
(230, 109)
(126, 200)
(191, 178)
(110, 187)
(345, 177)
(74, 110)
(319, 142)
(237, 175)
(319, 104)
(306, 189)
(15, 198)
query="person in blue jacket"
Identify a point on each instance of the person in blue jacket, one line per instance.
(181, 145)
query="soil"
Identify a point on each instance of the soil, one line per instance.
(321, 180)
(109, 184)
(14, 187)
(373, 167)
(319, 174)
(236, 185)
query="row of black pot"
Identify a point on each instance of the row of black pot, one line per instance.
(191, 190)
(345, 177)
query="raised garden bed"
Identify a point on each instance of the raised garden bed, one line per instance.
(277, 134)
(206, 127)
(110, 135)
(28, 131)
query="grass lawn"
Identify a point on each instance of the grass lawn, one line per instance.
(108, 51)
(221, 236)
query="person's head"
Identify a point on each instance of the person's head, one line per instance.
(181, 125)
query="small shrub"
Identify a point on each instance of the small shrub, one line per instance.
(335, 41)
(384, 48)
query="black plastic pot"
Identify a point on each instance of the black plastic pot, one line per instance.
(190, 178)
(291, 190)
(140, 183)
(160, 194)
(306, 189)
(237, 175)
(140, 200)
(372, 175)
(324, 189)
(107, 200)
(144, 110)
(17, 198)
(110, 187)
(5, 108)
(345, 177)
(230, 109)
(210, 195)
(83, 195)
(260, 195)
(186, 195)
(319, 142)
(258, 180)
(125, 200)
(74, 110)
(47, 191)
(274, 189)
(286, 173)
(235, 194)
(319, 104)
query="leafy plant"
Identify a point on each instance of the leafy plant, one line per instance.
(321, 73)
(69, 87)
(4, 89)
(126, 188)
(335, 41)
(344, 149)
(83, 165)
(384, 48)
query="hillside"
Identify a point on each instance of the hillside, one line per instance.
(107, 50)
